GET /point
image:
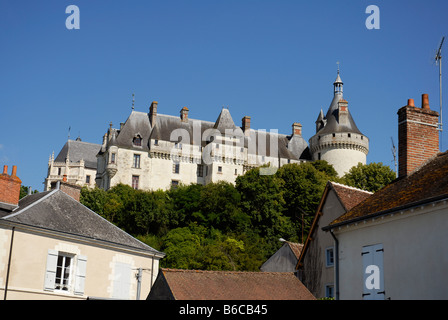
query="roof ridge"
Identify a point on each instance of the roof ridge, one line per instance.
(31, 205)
(221, 271)
(350, 187)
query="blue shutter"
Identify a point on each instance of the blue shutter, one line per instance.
(50, 272)
(373, 280)
(80, 275)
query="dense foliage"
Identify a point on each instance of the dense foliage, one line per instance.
(219, 226)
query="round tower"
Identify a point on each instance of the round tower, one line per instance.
(338, 139)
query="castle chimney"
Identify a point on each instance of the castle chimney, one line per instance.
(246, 125)
(418, 137)
(153, 113)
(296, 129)
(9, 189)
(343, 112)
(184, 114)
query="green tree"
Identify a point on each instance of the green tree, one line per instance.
(302, 190)
(262, 201)
(370, 177)
(220, 207)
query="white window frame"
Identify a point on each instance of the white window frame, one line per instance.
(329, 290)
(76, 274)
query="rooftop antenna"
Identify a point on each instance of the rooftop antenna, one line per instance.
(394, 153)
(438, 59)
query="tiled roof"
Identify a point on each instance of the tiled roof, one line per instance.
(426, 184)
(296, 248)
(349, 196)
(55, 210)
(232, 285)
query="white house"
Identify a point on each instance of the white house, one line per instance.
(393, 244)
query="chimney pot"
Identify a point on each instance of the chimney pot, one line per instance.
(411, 103)
(425, 101)
(14, 171)
(5, 169)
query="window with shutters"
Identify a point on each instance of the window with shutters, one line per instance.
(65, 272)
(373, 280)
(329, 257)
(122, 281)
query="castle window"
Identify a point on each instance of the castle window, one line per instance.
(174, 184)
(112, 158)
(59, 171)
(136, 163)
(349, 135)
(334, 135)
(178, 145)
(88, 179)
(318, 156)
(236, 172)
(135, 180)
(362, 137)
(219, 169)
(137, 141)
(176, 168)
(200, 170)
(156, 142)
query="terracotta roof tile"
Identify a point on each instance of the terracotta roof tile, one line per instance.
(232, 285)
(350, 196)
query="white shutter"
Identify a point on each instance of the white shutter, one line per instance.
(50, 272)
(122, 281)
(80, 275)
(373, 280)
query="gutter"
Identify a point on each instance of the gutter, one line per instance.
(336, 265)
(9, 263)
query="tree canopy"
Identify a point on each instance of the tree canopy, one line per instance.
(225, 226)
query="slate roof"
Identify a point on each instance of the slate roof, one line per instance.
(426, 184)
(54, 210)
(332, 119)
(332, 125)
(77, 150)
(289, 146)
(233, 285)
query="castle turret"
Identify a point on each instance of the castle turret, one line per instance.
(338, 139)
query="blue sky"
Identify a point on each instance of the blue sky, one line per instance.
(272, 60)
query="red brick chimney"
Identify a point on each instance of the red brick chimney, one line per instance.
(184, 114)
(246, 125)
(296, 129)
(418, 136)
(9, 188)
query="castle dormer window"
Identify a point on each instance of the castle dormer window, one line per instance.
(137, 141)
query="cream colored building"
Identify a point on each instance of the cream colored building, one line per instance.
(316, 261)
(155, 151)
(53, 247)
(76, 163)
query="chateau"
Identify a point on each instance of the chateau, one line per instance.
(151, 150)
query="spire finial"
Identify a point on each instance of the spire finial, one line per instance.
(338, 65)
(133, 100)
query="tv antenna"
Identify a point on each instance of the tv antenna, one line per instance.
(438, 59)
(394, 153)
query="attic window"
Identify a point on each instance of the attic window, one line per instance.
(137, 141)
